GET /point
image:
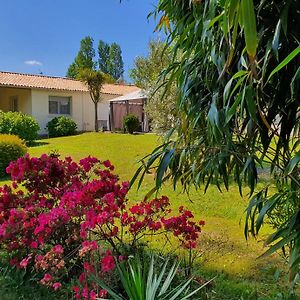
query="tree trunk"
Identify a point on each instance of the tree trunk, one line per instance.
(96, 117)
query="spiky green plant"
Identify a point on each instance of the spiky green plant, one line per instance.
(140, 281)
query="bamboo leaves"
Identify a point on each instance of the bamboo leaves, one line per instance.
(290, 57)
(237, 105)
(249, 25)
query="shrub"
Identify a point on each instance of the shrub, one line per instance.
(61, 126)
(11, 148)
(71, 218)
(24, 126)
(131, 123)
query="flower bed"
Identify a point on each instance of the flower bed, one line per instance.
(65, 221)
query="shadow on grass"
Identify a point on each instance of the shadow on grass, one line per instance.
(5, 178)
(37, 144)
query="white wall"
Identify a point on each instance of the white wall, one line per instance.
(82, 108)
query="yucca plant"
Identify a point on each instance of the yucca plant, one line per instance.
(140, 281)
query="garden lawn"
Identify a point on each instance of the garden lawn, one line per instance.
(223, 250)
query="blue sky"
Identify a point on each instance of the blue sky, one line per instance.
(44, 35)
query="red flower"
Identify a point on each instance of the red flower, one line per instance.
(108, 165)
(107, 263)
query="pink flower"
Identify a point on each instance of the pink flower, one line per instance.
(56, 286)
(34, 245)
(58, 249)
(47, 277)
(102, 293)
(107, 263)
(85, 292)
(122, 257)
(88, 267)
(93, 295)
(24, 262)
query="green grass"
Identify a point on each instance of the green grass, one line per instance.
(223, 249)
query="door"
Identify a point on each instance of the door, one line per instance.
(14, 103)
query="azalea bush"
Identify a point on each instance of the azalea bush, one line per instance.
(64, 220)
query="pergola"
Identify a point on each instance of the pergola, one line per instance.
(133, 103)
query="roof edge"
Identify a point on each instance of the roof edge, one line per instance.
(58, 77)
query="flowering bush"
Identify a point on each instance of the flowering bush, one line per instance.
(65, 220)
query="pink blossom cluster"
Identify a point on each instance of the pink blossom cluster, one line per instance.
(58, 217)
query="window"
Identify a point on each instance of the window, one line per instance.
(59, 105)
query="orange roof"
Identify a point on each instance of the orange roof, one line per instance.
(10, 79)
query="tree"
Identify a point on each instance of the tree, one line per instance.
(84, 58)
(94, 80)
(104, 57)
(72, 70)
(116, 65)
(239, 89)
(110, 60)
(147, 74)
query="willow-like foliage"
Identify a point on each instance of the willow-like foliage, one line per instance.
(238, 106)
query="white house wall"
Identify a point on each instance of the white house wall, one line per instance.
(82, 108)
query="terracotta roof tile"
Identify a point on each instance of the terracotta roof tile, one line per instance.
(10, 79)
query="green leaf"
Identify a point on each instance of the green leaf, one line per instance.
(269, 205)
(275, 42)
(233, 109)
(249, 25)
(232, 11)
(293, 85)
(214, 20)
(284, 16)
(226, 92)
(280, 244)
(107, 288)
(292, 164)
(251, 103)
(290, 57)
(198, 289)
(165, 162)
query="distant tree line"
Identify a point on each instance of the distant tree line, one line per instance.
(109, 60)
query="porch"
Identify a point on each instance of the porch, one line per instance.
(15, 99)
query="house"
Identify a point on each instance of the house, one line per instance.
(45, 97)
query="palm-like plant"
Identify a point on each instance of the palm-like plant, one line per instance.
(94, 81)
(141, 282)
